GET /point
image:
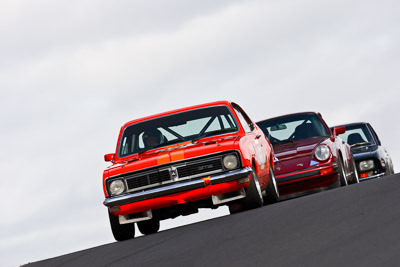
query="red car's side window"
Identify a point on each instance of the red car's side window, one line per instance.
(247, 124)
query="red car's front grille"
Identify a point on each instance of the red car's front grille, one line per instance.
(164, 176)
(199, 168)
(182, 171)
(152, 178)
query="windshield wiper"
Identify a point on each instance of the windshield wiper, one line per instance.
(212, 133)
(133, 157)
(144, 150)
(168, 143)
(360, 144)
(285, 141)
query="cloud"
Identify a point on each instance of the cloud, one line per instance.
(73, 72)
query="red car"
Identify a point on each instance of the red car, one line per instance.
(176, 162)
(309, 157)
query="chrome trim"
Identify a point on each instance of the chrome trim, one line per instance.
(176, 188)
(379, 175)
(135, 217)
(312, 173)
(183, 161)
(223, 198)
(206, 174)
(173, 174)
(173, 166)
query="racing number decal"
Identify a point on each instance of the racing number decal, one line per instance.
(172, 153)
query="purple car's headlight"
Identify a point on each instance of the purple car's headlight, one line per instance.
(322, 153)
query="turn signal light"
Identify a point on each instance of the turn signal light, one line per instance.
(326, 171)
(115, 208)
(364, 175)
(243, 180)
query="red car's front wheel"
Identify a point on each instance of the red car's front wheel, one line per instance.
(272, 193)
(121, 232)
(253, 199)
(149, 227)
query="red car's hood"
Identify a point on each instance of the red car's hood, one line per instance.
(295, 156)
(173, 153)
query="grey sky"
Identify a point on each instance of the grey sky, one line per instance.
(72, 72)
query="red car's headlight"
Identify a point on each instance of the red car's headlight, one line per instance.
(230, 162)
(117, 187)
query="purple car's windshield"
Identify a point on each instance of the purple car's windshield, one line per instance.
(293, 128)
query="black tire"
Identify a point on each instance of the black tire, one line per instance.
(355, 179)
(341, 173)
(254, 198)
(149, 227)
(272, 192)
(389, 168)
(121, 232)
(235, 207)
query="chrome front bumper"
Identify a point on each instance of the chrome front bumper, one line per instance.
(379, 175)
(177, 187)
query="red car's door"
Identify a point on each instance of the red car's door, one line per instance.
(256, 142)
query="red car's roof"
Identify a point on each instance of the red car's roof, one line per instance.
(216, 103)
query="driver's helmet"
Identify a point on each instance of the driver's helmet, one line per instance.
(152, 138)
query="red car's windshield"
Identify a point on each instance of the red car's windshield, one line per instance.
(176, 128)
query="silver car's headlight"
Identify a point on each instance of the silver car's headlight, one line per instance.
(366, 165)
(322, 152)
(230, 162)
(117, 187)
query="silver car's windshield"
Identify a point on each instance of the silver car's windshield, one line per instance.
(356, 135)
(176, 128)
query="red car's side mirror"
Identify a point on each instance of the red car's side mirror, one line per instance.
(109, 157)
(338, 130)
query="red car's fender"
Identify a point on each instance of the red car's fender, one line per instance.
(255, 150)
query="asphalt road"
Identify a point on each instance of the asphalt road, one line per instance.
(356, 225)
